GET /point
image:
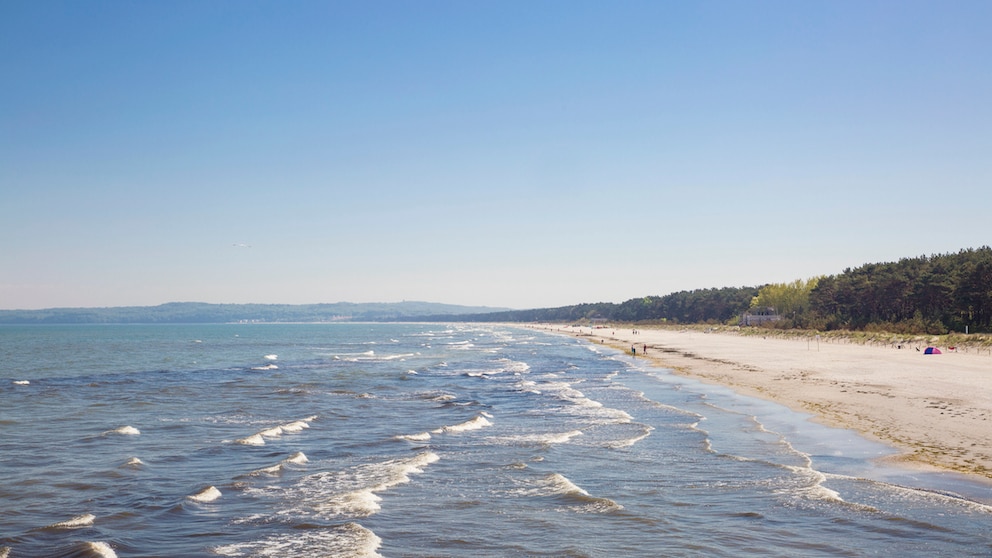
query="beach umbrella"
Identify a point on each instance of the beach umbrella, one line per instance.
(932, 351)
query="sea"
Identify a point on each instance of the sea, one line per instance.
(429, 440)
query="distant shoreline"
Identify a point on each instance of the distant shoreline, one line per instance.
(935, 409)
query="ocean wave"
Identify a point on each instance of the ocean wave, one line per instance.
(258, 438)
(253, 440)
(123, 431)
(438, 396)
(84, 520)
(21, 383)
(576, 498)
(476, 423)
(86, 549)
(923, 494)
(350, 540)
(354, 492)
(102, 549)
(514, 366)
(208, 494)
(580, 406)
(627, 442)
(421, 437)
(298, 458)
(543, 439)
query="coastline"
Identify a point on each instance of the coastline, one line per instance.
(935, 409)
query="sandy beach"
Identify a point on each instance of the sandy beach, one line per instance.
(936, 409)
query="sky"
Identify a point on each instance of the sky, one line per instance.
(521, 154)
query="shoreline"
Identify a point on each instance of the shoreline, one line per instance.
(936, 410)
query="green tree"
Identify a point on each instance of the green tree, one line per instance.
(788, 299)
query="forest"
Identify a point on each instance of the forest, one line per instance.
(935, 294)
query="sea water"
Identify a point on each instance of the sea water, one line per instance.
(428, 440)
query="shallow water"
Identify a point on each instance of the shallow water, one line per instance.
(428, 440)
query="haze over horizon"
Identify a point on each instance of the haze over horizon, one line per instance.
(504, 154)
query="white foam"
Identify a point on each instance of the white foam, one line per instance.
(560, 484)
(134, 462)
(101, 549)
(632, 440)
(208, 494)
(253, 440)
(813, 488)
(354, 492)
(514, 366)
(124, 431)
(545, 439)
(20, 383)
(298, 458)
(403, 356)
(421, 437)
(273, 470)
(4, 551)
(258, 439)
(350, 540)
(271, 357)
(273, 432)
(84, 520)
(266, 367)
(557, 484)
(295, 426)
(362, 503)
(473, 424)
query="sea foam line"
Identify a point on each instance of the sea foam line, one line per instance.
(99, 548)
(123, 431)
(354, 492)
(474, 424)
(298, 458)
(84, 520)
(349, 540)
(208, 494)
(544, 439)
(556, 484)
(258, 439)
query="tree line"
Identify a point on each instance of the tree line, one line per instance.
(687, 307)
(927, 294)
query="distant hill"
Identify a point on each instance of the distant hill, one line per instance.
(199, 312)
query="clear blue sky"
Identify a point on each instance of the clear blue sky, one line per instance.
(504, 153)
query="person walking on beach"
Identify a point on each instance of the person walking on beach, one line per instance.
(633, 350)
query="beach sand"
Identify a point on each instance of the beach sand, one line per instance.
(936, 409)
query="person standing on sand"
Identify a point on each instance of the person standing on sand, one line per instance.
(645, 349)
(633, 350)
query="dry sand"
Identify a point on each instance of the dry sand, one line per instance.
(937, 409)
